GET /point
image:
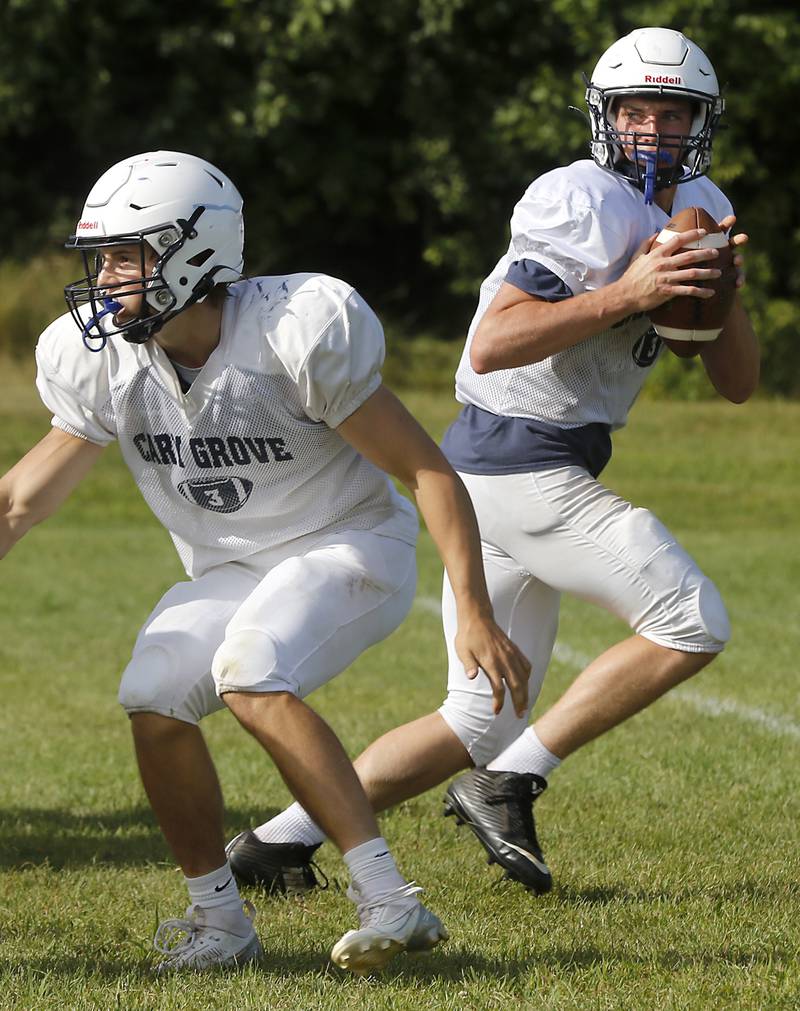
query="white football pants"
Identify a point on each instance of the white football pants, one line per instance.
(546, 533)
(291, 628)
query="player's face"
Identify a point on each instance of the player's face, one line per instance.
(661, 123)
(122, 265)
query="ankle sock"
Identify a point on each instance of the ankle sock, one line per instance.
(291, 826)
(373, 869)
(217, 890)
(526, 754)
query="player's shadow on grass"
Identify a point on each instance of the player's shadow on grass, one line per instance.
(455, 965)
(448, 964)
(134, 967)
(59, 838)
(424, 968)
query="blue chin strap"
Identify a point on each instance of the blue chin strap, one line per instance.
(109, 306)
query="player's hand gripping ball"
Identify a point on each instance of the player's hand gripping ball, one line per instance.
(687, 322)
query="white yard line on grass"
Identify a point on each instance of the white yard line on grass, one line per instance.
(779, 726)
(428, 604)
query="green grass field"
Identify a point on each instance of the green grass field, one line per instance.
(673, 840)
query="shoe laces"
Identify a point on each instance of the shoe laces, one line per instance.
(517, 786)
(313, 866)
(519, 794)
(373, 910)
(168, 939)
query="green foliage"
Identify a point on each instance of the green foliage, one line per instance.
(676, 378)
(31, 296)
(383, 142)
(779, 323)
(421, 363)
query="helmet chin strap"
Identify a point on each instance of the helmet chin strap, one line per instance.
(143, 329)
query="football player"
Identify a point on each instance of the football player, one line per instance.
(253, 419)
(557, 352)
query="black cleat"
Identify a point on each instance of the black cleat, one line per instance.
(278, 868)
(498, 807)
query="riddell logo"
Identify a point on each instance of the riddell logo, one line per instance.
(88, 225)
(649, 79)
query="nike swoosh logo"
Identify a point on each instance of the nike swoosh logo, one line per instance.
(384, 854)
(221, 888)
(538, 863)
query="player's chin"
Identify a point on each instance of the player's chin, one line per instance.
(669, 156)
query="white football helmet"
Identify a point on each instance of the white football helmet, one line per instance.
(180, 206)
(653, 62)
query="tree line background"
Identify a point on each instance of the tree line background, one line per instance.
(383, 141)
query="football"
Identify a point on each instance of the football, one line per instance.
(686, 323)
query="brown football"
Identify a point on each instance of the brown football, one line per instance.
(686, 323)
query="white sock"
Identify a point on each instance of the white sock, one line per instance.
(373, 869)
(216, 890)
(291, 826)
(526, 754)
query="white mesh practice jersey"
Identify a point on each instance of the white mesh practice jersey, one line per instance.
(584, 224)
(248, 459)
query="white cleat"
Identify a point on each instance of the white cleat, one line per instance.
(393, 923)
(208, 939)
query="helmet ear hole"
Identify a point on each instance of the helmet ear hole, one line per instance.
(200, 258)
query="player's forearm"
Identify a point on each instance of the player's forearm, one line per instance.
(7, 539)
(732, 361)
(36, 486)
(530, 331)
(13, 523)
(16, 519)
(385, 433)
(447, 510)
(10, 532)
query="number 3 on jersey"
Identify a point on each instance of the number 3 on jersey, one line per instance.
(220, 495)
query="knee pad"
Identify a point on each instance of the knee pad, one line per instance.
(686, 612)
(150, 684)
(713, 615)
(695, 621)
(483, 734)
(247, 661)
